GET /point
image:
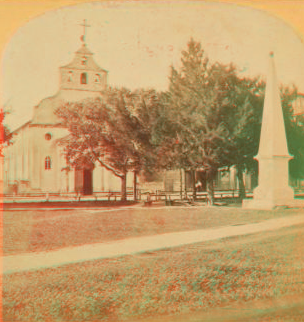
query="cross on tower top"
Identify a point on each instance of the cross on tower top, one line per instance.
(84, 24)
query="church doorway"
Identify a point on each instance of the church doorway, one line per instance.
(87, 182)
(84, 181)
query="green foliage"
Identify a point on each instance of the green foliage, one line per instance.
(294, 125)
(296, 146)
(149, 113)
(212, 115)
(6, 135)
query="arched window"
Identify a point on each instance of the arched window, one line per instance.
(47, 163)
(97, 78)
(70, 76)
(83, 78)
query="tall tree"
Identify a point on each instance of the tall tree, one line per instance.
(138, 116)
(151, 120)
(242, 116)
(210, 106)
(186, 97)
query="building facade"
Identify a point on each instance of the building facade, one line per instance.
(35, 162)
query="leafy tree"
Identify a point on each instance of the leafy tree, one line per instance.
(110, 130)
(185, 99)
(151, 120)
(6, 135)
(296, 146)
(294, 125)
(211, 112)
(139, 118)
(243, 119)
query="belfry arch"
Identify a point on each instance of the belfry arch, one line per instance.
(84, 78)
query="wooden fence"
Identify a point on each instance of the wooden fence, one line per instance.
(148, 197)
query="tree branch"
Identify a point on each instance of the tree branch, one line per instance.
(108, 167)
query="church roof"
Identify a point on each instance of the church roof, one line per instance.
(84, 50)
(21, 127)
(81, 53)
(44, 112)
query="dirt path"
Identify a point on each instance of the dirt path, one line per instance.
(33, 261)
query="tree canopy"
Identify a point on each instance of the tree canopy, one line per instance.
(113, 130)
(211, 117)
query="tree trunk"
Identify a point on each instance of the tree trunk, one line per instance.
(239, 174)
(181, 183)
(194, 184)
(134, 186)
(185, 185)
(124, 187)
(210, 191)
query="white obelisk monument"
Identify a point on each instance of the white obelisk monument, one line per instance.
(273, 189)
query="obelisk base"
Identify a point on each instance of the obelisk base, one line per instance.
(272, 198)
(263, 204)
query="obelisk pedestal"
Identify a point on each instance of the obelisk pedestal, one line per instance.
(273, 156)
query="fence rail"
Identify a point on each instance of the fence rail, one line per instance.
(67, 196)
(147, 196)
(174, 196)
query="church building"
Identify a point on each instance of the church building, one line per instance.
(35, 162)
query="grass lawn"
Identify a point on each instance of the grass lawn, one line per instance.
(179, 284)
(41, 230)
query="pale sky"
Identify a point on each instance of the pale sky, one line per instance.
(137, 43)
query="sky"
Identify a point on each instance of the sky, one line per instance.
(138, 42)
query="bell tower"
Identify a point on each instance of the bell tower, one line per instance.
(79, 80)
(83, 74)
